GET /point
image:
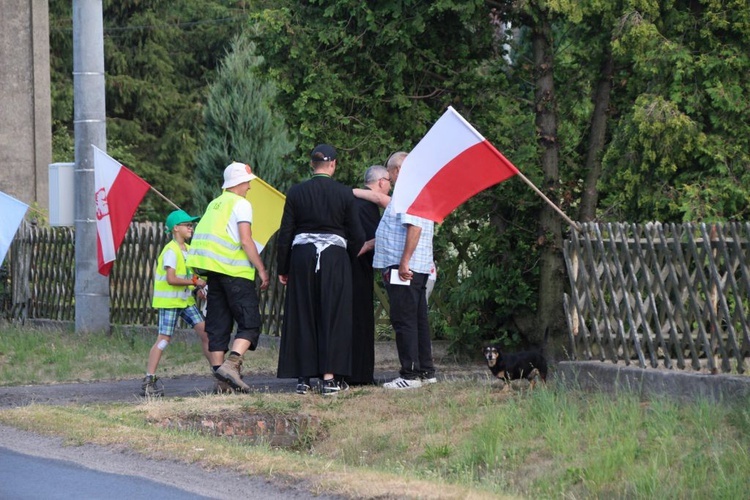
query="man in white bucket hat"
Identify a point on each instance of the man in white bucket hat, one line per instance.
(223, 248)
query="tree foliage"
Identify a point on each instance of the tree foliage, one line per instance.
(242, 124)
(369, 77)
(651, 120)
(681, 148)
(159, 57)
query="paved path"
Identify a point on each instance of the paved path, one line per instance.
(129, 390)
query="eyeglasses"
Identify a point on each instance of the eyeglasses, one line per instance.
(187, 224)
(386, 179)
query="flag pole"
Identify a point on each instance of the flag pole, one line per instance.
(164, 197)
(567, 219)
(30, 208)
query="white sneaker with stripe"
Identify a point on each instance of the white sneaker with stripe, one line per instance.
(401, 383)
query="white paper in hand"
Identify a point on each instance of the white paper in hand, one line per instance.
(395, 280)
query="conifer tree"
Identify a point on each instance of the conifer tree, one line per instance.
(241, 125)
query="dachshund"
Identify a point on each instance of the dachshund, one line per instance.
(515, 366)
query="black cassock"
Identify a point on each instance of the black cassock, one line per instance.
(363, 312)
(316, 335)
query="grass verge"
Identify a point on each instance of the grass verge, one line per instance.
(54, 355)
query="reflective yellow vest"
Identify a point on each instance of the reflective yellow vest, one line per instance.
(212, 249)
(167, 296)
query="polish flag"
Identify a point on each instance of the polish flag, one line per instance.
(118, 192)
(451, 163)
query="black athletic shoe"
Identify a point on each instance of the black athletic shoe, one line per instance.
(333, 386)
(152, 387)
(303, 385)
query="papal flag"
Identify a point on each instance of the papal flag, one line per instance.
(117, 192)
(13, 213)
(451, 163)
(268, 206)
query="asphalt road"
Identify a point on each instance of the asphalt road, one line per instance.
(39, 467)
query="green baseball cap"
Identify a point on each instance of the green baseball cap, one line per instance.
(178, 217)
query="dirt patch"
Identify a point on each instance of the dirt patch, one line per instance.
(286, 431)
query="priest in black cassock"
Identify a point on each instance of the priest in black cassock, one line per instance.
(369, 201)
(319, 223)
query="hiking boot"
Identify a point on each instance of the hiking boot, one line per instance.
(222, 387)
(303, 385)
(402, 383)
(333, 386)
(152, 387)
(229, 372)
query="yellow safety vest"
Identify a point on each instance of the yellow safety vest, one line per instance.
(212, 249)
(167, 296)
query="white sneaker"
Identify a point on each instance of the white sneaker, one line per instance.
(429, 380)
(401, 383)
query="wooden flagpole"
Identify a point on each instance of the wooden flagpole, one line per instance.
(36, 211)
(164, 197)
(567, 219)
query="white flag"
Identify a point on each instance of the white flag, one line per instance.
(13, 213)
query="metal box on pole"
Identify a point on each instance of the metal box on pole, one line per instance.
(61, 194)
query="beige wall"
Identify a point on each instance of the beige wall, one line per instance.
(25, 116)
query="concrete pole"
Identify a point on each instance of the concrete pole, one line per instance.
(89, 120)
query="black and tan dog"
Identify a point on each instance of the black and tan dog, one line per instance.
(515, 366)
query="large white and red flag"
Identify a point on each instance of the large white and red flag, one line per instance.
(451, 163)
(118, 192)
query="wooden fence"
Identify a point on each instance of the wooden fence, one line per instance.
(41, 278)
(673, 296)
(652, 295)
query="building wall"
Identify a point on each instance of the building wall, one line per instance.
(25, 114)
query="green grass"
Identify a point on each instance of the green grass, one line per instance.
(455, 439)
(53, 355)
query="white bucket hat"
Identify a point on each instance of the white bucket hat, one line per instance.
(237, 173)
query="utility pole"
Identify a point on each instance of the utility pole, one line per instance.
(89, 120)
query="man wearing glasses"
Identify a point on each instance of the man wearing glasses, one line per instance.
(369, 200)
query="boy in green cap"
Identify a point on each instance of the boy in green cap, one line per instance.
(173, 297)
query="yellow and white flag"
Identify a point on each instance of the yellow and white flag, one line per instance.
(268, 206)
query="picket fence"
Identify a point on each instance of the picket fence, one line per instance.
(660, 295)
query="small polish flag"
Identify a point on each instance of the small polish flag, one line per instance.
(117, 192)
(451, 163)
